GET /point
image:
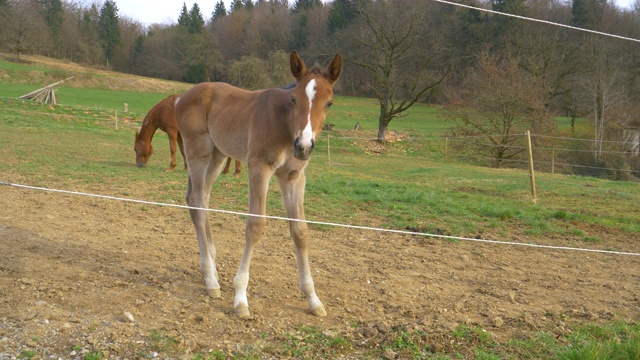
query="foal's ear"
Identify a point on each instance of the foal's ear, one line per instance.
(334, 69)
(137, 134)
(298, 68)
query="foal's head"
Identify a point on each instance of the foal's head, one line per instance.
(143, 150)
(311, 100)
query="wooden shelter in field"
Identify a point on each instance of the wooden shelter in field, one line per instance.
(46, 94)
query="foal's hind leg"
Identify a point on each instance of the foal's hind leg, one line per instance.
(292, 185)
(203, 170)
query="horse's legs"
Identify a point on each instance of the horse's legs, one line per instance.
(226, 167)
(292, 186)
(204, 168)
(238, 168)
(181, 147)
(173, 139)
(259, 175)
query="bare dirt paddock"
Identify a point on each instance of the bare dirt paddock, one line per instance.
(81, 275)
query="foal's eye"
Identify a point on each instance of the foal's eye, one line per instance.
(293, 100)
(329, 104)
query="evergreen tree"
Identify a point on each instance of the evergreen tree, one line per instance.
(236, 5)
(248, 4)
(109, 28)
(54, 16)
(587, 13)
(341, 14)
(516, 7)
(196, 21)
(301, 33)
(183, 19)
(90, 21)
(302, 5)
(219, 11)
(506, 29)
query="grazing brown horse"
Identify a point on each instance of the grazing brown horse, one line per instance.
(274, 131)
(237, 170)
(160, 116)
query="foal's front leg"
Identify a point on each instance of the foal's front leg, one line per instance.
(292, 185)
(259, 175)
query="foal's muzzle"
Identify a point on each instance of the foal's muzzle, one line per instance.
(302, 152)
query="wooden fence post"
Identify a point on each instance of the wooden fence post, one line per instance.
(531, 174)
(446, 145)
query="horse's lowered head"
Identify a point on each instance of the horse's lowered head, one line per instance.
(311, 100)
(143, 150)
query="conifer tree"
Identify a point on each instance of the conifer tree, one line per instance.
(248, 4)
(54, 15)
(219, 11)
(236, 5)
(196, 21)
(341, 14)
(109, 28)
(183, 19)
(587, 13)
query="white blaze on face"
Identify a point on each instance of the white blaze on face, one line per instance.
(307, 133)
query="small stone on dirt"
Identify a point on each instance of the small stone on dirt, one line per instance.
(129, 317)
(497, 322)
(389, 354)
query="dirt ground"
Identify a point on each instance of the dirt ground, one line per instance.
(80, 274)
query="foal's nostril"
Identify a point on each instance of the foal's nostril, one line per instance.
(313, 145)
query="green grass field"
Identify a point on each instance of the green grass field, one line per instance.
(408, 186)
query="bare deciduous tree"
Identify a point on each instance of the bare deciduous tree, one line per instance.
(603, 91)
(498, 100)
(399, 50)
(23, 26)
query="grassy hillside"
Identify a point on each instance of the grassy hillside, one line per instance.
(351, 180)
(397, 185)
(88, 87)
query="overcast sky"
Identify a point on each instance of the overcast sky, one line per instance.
(167, 11)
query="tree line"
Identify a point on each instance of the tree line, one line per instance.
(496, 75)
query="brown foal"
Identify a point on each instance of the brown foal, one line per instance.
(274, 131)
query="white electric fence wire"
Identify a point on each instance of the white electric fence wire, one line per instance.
(523, 161)
(348, 226)
(578, 139)
(537, 20)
